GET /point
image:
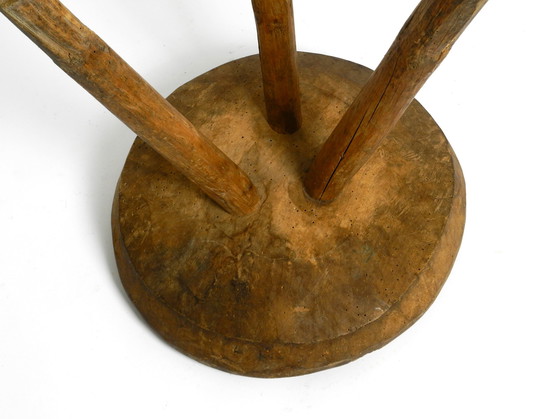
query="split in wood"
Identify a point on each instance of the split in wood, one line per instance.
(420, 47)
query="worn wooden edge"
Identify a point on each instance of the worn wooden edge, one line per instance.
(228, 354)
(195, 341)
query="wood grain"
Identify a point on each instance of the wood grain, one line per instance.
(97, 68)
(277, 48)
(294, 287)
(419, 48)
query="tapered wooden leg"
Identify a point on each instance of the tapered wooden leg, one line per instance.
(89, 61)
(277, 46)
(419, 48)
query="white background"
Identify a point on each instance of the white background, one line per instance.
(71, 344)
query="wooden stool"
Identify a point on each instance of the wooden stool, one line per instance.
(278, 233)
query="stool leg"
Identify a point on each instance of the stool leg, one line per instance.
(277, 47)
(419, 48)
(97, 68)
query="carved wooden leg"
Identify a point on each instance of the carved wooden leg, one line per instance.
(277, 46)
(420, 47)
(95, 66)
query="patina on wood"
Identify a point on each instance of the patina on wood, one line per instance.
(419, 48)
(294, 287)
(97, 68)
(277, 50)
